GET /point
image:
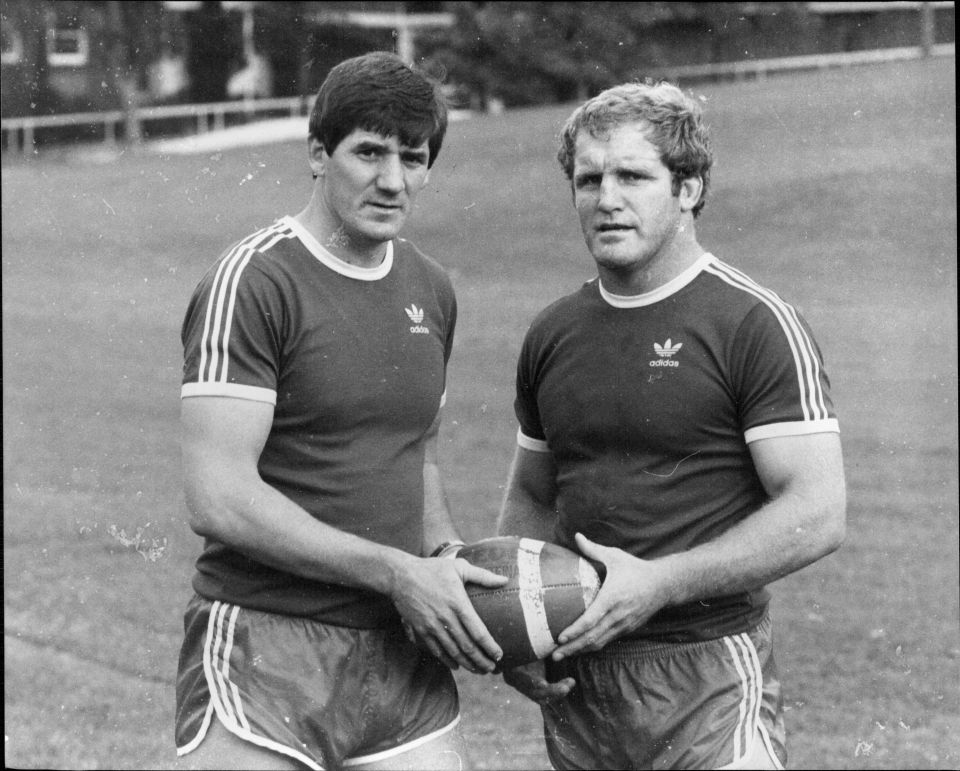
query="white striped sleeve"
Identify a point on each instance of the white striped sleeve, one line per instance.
(813, 404)
(792, 428)
(233, 390)
(215, 342)
(217, 360)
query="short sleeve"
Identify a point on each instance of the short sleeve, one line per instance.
(231, 334)
(530, 433)
(779, 376)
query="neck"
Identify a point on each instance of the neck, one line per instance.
(682, 251)
(334, 238)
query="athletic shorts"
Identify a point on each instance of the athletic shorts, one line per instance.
(328, 696)
(640, 704)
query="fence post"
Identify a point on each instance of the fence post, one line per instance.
(926, 29)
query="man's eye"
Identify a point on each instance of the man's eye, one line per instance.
(369, 153)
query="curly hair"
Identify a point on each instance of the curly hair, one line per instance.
(673, 124)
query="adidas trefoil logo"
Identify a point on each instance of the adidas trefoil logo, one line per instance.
(667, 349)
(666, 352)
(416, 316)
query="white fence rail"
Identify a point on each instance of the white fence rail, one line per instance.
(19, 133)
(763, 67)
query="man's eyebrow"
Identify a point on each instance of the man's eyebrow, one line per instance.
(625, 164)
(586, 168)
(371, 143)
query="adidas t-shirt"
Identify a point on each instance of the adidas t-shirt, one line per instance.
(354, 362)
(648, 404)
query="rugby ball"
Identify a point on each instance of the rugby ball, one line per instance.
(549, 588)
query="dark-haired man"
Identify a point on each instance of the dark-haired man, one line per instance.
(315, 357)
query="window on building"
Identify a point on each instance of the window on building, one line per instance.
(67, 47)
(11, 44)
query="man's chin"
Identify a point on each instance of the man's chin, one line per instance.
(616, 259)
(379, 231)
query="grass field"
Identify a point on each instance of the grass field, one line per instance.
(836, 188)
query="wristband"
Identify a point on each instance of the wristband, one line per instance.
(448, 549)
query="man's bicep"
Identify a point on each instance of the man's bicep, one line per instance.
(222, 439)
(534, 475)
(217, 430)
(809, 464)
(529, 505)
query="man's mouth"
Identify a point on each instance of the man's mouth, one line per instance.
(612, 227)
(384, 206)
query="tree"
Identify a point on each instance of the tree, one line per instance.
(529, 52)
(537, 52)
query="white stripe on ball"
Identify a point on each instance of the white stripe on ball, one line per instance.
(530, 584)
(589, 580)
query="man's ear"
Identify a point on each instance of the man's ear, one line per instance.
(317, 156)
(691, 189)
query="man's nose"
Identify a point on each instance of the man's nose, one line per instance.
(609, 194)
(390, 176)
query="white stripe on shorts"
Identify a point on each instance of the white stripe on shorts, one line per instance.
(224, 694)
(747, 663)
(378, 756)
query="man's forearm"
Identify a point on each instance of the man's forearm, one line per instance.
(804, 521)
(262, 523)
(781, 538)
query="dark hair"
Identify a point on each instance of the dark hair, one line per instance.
(673, 124)
(379, 92)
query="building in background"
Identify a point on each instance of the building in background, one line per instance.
(69, 56)
(61, 56)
